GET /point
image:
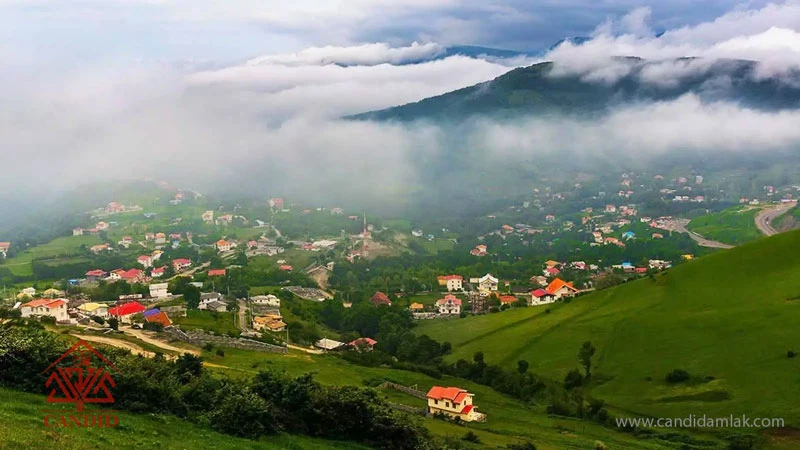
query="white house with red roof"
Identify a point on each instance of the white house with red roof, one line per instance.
(453, 282)
(158, 272)
(145, 260)
(222, 245)
(181, 264)
(560, 288)
(46, 307)
(453, 402)
(124, 313)
(450, 304)
(363, 344)
(541, 297)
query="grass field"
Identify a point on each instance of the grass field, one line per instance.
(219, 323)
(732, 226)
(23, 428)
(508, 420)
(66, 247)
(731, 316)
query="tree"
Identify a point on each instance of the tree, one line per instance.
(522, 366)
(585, 355)
(573, 379)
(192, 296)
(113, 323)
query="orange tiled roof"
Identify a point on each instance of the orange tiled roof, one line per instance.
(557, 284)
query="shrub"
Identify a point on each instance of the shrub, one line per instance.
(220, 352)
(208, 346)
(791, 354)
(573, 379)
(678, 376)
(599, 445)
(527, 445)
(470, 436)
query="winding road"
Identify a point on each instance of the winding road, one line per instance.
(765, 217)
(680, 226)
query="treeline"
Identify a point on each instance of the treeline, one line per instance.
(268, 403)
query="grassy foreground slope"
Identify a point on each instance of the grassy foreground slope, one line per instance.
(23, 428)
(732, 316)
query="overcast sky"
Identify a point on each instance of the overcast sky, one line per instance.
(198, 90)
(70, 31)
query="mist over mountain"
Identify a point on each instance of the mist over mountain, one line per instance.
(546, 89)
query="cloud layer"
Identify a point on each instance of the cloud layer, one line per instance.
(271, 124)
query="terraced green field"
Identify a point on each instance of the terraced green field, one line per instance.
(729, 319)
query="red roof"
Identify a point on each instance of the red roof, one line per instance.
(447, 297)
(95, 273)
(362, 341)
(46, 302)
(507, 299)
(447, 393)
(181, 261)
(286, 267)
(553, 270)
(216, 272)
(539, 293)
(641, 270)
(466, 409)
(160, 317)
(127, 309)
(131, 274)
(453, 277)
(557, 284)
(143, 258)
(380, 299)
(159, 269)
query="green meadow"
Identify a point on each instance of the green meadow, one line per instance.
(218, 322)
(729, 319)
(66, 247)
(732, 226)
(23, 428)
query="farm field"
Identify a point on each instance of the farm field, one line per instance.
(728, 319)
(732, 226)
(219, 323)
(65, 247)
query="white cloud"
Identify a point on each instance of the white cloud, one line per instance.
(362, 55)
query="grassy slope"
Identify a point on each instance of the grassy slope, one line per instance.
(729, 315)
(509, 420)
(63, 246)
(733, 226)
(23, 428)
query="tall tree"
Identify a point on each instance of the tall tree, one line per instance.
(585, 355)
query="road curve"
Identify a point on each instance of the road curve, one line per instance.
(680, 226)
(765, 217)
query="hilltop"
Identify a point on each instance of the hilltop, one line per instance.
(728, 319)
(539, 90)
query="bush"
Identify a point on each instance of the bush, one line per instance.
(599, 445)
(48, 320)
(791, 354)
(677, 376)
(220, 352)
(573, 379)
(208, 346)
(153, 326)
(527, 445)
(470, 436)
(98, 320)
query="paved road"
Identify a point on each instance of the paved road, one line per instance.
(767, 215)
(680, 226)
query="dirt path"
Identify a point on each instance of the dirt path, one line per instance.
(137, 350)
(303, 349)
(242, 314)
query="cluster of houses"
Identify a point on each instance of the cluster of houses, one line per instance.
(59, 308)
(266, 313)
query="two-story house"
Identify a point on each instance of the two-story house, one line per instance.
(453, 402)
(450, 304)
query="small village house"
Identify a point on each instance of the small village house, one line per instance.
(145, 260)
(266, 300)
(181, 264)
(269, 322)
(453, 402)
(450, 304)
(159, 290)
(560, 289)
(541, 297)
(56, 308)
(487, 283)
(363, 344)
(380, 299)
(328, 344)
(94, 309)
(125, 312)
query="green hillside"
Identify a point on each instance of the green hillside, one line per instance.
(23, 428)
(729, 319)
(732, 226)
(537, 90)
